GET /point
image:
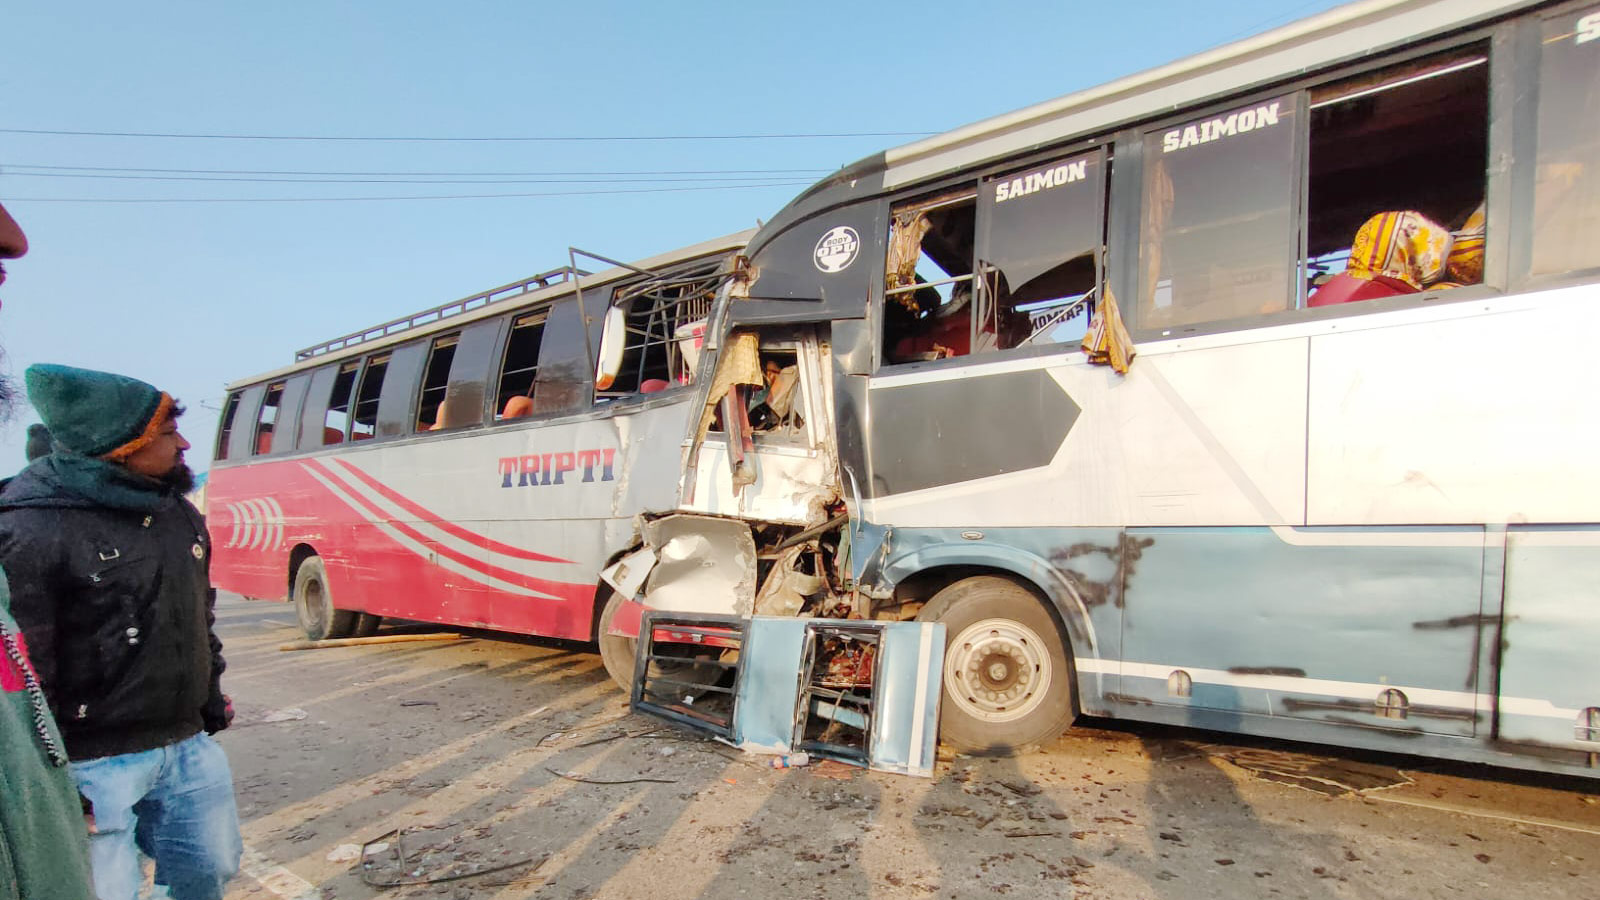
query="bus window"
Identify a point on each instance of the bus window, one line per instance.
(229, 410)
(364, 423)
(290, 407)
(928, 281)
(776, 408)
(564, 381)
(1566, 200)
(1217, 235)
(648, 328)
(435, 382)
(1396, 180)
(267, 418)
(336, 422)
(520, 367)
(1040, 231)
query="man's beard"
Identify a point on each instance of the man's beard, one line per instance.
(180, 479)
(8, 395)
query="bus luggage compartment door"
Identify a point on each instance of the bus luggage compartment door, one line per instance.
(1345, 626)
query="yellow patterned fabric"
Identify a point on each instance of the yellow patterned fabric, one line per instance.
(1107, 342)
(1465, 262)
(1405, 246)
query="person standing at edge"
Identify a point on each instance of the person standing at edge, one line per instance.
(44, 853)
(108, 567)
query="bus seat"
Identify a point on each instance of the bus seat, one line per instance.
(332, 436)
(517, 407)
(651, 385)
(1347, 288)
(264, 440)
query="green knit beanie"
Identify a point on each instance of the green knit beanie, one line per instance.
(94, 413)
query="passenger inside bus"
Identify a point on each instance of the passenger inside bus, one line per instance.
(772, 404)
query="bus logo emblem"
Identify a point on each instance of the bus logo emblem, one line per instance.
(837, 249)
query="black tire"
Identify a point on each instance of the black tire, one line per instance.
(366, 625)
(313, 604)
(1008, 679)
(617, 653)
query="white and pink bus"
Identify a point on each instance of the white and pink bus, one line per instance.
(463, 465)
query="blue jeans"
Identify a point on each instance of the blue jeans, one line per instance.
(176, 805)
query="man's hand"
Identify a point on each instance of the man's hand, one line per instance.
(218, 719)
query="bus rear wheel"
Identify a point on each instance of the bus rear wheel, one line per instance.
(1007, 678)
(313, 604)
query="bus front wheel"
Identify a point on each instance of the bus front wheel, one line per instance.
(1007, 679)
(313, 604)
(616, 652)
(687, 665)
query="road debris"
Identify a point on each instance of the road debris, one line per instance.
(573, 776)
(364, 641)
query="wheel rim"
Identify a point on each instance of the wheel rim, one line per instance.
(313, 606)
(997, 670)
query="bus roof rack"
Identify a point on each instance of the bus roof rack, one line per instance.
(443, 311)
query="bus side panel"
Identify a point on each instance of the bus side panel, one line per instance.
(1471, 413)
(1210, 436)
(1549, 671)
(1308, 623)
(585, 516)
(256, 515)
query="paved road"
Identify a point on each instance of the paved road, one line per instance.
(464, 757)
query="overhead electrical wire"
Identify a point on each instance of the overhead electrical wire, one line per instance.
(9, 166)
(727, 187)
(762, 179)
(476, 140)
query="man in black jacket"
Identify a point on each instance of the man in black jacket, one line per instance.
(108, 570)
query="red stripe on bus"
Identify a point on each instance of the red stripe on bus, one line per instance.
(558, 590)
(450, 528)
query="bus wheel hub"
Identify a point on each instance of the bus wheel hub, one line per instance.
(997, 670)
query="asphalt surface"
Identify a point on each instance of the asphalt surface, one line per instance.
(505, 767)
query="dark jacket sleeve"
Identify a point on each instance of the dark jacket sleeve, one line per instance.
(218, 711)
(30, 560)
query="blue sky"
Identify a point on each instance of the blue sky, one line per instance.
(191, 295)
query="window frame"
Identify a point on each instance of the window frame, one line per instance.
(226, 423)
(289, 409)
(1497, 195)
(450, 340)
(974, 179)
(256, 428)
(367, 363)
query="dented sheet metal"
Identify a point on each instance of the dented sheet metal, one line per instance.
(690, 564)
(789, 675)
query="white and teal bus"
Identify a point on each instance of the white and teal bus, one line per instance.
(1346, 490)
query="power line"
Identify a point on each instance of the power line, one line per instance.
(231, 179)
(416, 174)
(424, 197)
(500, 139)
